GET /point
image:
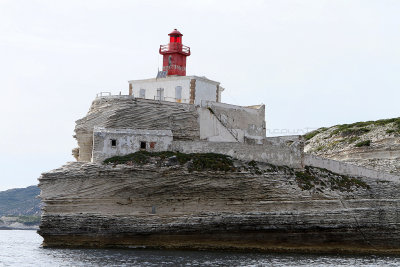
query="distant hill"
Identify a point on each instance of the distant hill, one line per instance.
(20, 201)
(371, 144)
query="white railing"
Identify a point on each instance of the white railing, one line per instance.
(175, 47)
(101, 94)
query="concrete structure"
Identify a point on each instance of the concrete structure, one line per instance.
(113, 142)
(211, 121)
(221, 122)
(280, 155)
(180, 89)
(348, 169)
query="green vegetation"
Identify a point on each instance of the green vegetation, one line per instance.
(322, 178)
(20, 201)
(305, 180)
(310, 135)
(253, 167)
(363, 143)
(357, 128)
(361, 125)
(355, 131)
(210, 161)
(143, 157)
(352, 139)
(195, 161)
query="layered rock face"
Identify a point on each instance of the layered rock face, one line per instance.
(372, 144)
(166, 204)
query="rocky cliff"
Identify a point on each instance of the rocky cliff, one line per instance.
(372, 144)
(210, 201)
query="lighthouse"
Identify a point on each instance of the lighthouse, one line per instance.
(174, 55)
(171, 84)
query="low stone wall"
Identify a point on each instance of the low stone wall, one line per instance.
(118, 142)
(291, 156)
(347, 169)
(286, 140)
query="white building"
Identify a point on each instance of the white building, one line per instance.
(180, 89)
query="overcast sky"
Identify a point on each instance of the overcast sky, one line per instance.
(312, 63)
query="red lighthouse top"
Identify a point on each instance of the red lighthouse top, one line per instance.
(175, 53)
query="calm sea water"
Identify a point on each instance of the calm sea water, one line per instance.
(22, 248)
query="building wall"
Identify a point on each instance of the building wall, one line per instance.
(248, 123)
(169, 86)
(128, 141)
(205, 89)
(211, 129)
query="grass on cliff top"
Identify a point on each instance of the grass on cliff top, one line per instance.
(196, 161)
(357, 128)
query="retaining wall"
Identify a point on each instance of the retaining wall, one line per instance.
(273, 154)
(347, 169)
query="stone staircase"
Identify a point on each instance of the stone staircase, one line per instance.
(223, 121)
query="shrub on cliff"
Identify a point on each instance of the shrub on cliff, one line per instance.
(363, 143)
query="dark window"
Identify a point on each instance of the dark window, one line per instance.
(113, 142)
(142, 145)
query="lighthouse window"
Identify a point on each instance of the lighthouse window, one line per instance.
(160, 94)
(178, 93)
(142, 93)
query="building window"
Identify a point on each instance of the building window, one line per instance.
(152, 145)
(178, 94)
(142, 93)
(142, 145)
(113, 142)
(160, 94)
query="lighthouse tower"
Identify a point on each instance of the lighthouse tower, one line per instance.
(174, 55)
(171, 84)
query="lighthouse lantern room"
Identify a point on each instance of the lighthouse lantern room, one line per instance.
(174, 55)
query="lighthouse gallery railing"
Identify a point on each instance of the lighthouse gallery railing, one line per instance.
(175, 47)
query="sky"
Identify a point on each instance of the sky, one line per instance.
(313, 63)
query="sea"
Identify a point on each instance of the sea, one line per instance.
(23, 248)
